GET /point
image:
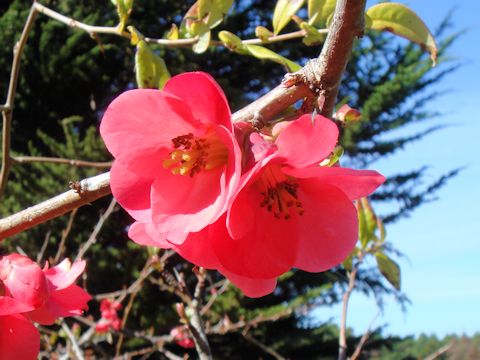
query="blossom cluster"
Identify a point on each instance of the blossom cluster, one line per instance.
(251, 205)
(31, 294)
(109, 316)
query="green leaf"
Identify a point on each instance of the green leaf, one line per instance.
(135, 35)
(173, 33)
(319, 11)
(124, 9)
(402, 21)
(367, 222)
(218, 11)
(313, 37)
(261, 52)
(284, 10)
(232, 42)
(202, 44)
(263, 33)
(150, 69)
(389, 269)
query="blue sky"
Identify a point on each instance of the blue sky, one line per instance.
(441, 240)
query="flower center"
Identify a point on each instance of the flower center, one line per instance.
(279, 193)
(193, 154)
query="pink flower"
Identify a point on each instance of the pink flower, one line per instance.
(182, 337)
(65, 298)
(288, 211)
(109, 317)
(176, 159)
(29, 294)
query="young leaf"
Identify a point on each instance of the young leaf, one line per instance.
(124, 8)
(402, 21)
(284, 10)
(367, 222)
(173, 33)
(218, 10)
(151, 71)
(261, 52)
(319, 11)
(389, 269)
(232, 42)
(202, 44)
(313, 37)
(263, 33)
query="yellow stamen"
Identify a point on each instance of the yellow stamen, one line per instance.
(193, 154)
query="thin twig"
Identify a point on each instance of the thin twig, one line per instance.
(93, 236)
(196, 325)
(91, 29)
(264, 347)
(76, 348)
(44, 247)
(7, 108)
(85, 192)
(364, 338)
(55, 160)
(128, 308)
(281, 37)
(342, 337)
(214, 297)
(61, 246)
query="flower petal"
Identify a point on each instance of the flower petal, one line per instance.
(182, 204)
(139, 125)
(147, 235)
(266, 251)
(354, 183)
(131, 191)
(64, 274)
(253, 288)
(70, 301)
(206, 99)
(329, 227)
(305, 142)
(10, 305)
(19, 339)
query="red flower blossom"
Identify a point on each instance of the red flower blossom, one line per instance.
(290, 212)
(176, 160)
(287, 212)
(109, 317)
(29, 294)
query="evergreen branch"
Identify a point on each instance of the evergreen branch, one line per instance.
(264, 347)
(83, 192)
(56, 160)
(7, 108)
